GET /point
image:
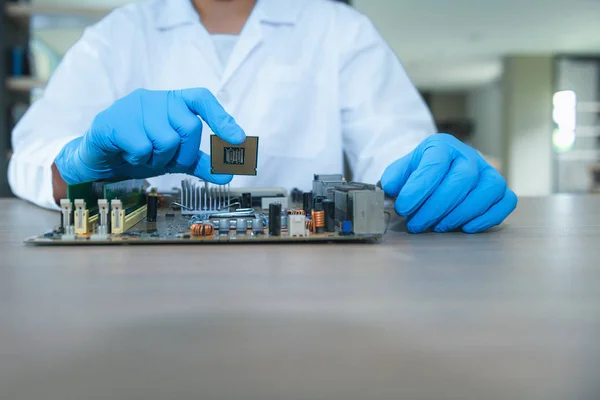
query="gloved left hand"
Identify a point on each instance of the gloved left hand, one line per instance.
(444, 184)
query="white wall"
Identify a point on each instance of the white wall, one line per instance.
(527, 122)
(484, 107)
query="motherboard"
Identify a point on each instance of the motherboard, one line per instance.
(197, 212)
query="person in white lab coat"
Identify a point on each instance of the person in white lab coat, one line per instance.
(312, 78)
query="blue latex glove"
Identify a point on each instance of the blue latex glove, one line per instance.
(149, 133)
(444, 184)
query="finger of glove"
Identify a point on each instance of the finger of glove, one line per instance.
(203, 168)
(395, 175)
(125, 125)
(165, 140)
(189, 128)
(202, 102)
(99, 140)
(495, 215)
(433, 166)
(456, 185)
(489, 190)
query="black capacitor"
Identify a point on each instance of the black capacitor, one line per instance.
(307, 201)
(275, 219)
(152, 207)
(317, 200)
(246, 200)
(296, 195)
(329, 208)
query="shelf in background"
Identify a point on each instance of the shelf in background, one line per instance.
(588, 107)
(590, 155)
(23, 84)
(18, 10)
(587, 131)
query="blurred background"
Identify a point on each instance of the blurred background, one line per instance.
(519, 80)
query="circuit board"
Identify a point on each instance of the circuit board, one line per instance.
(130, 212)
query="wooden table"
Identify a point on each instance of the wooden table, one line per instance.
(511, 314)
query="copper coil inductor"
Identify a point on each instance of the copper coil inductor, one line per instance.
(318, 220)
(202, 229)
(309, 225)
(296, 212)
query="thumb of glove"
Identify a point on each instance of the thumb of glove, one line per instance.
(396, 174)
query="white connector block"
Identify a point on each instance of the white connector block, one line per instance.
(297, 225)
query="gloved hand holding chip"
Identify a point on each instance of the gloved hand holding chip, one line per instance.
(149, 133)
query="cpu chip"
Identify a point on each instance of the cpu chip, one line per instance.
(227, 158)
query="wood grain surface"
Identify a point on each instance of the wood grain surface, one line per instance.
(509, 314)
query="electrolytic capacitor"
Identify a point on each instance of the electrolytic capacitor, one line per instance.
(152, 207)
(240, 225)
(258, 227)
(329, 208)
(275, 219)
(246, 200)
(223, 226)
(296, 195)
(307, 201)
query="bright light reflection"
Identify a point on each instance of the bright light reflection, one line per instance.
(564, 114)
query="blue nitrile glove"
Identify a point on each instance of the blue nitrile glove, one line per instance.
(149, 133)
(444, 184)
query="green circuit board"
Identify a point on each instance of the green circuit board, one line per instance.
(200, 213)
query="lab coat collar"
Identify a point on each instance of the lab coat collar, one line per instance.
(279, 11)
(173, 13)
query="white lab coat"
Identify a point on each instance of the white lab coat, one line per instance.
(311, 78)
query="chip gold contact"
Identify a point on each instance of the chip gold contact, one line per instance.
(227, 158)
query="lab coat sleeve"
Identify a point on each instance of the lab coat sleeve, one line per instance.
(383, 115)
(82, 86)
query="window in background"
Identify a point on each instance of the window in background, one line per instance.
(576, 115)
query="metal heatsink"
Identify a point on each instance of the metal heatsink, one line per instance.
(198, 197)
